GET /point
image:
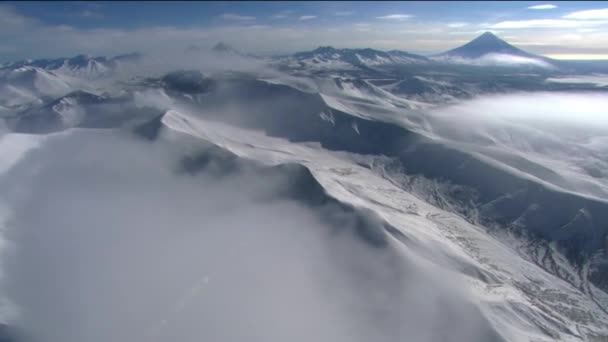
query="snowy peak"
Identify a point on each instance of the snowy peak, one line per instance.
(487, 43)
(328, 52)
(324, 50)
(85, 65)
(80, 65)
(37, 81)
(330, 56)
(489, 50)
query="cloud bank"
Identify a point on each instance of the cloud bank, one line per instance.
(542, 7)
(130, 250)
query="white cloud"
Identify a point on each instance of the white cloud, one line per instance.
(542, 7)
(457, 24)
(495, 32)
(395, 17)
(589, 14)
(500, 59)
(163, 259)
(579, 57)
(587, 30)
(552, 130)
(546, 23)
(307, 17)
(232, 16)
(572, 36)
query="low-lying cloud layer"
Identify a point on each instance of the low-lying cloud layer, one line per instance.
(109, 243)
(565, 133)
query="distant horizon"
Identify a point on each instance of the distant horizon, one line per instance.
(561, 30)
(564, 57)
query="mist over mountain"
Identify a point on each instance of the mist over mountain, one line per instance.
(337, 194)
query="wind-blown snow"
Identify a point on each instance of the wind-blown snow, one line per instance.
(195, 257)
(598, 79)
(498, 278)
(561, 132)
(497, 59)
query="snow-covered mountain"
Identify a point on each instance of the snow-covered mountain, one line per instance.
(488, 49)
(60, 76)
(485, 50)
(21, 86)
(79, 66)
(331, 58)
(485, 44)
(383, 195)
(31, 83)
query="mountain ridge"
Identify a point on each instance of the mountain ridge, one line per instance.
(79, 64)
(487, 44)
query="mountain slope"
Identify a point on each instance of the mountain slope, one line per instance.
(485, 44)
(26, 85)
(330, 57)
(488, 49)
(80, 66)
(477, 193)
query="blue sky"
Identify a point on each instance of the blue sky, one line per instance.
(39, 29)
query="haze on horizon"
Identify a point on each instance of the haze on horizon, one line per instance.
(561, 30)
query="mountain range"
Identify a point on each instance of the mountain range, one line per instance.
(486, 45)
(360, 194)
(81, 65)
